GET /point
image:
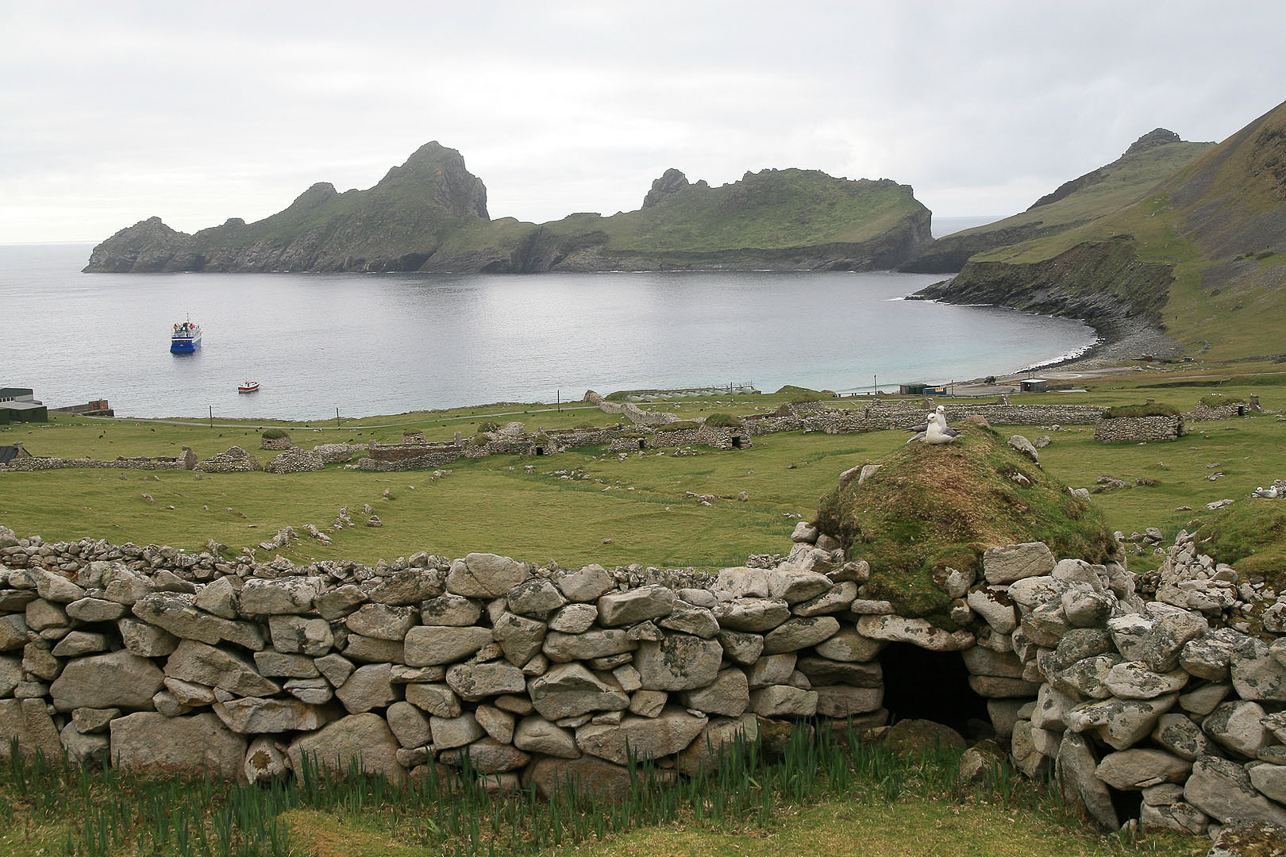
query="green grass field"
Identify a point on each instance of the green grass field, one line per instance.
(564, 507)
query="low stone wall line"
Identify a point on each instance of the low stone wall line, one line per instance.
(1172, 685)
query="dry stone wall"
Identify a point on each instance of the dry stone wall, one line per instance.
(156, 659)
(1139, 429)
(184, 461)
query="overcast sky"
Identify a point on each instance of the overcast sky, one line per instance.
(111, 112)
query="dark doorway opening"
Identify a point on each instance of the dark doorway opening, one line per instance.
(642, 443)
(924, 685)
(540, 450)
(1128, 804)
(736, 441)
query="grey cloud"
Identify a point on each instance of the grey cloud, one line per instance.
(115, 112)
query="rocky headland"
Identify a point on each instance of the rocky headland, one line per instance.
(430, 215)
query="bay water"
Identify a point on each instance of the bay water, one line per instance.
(366, 344)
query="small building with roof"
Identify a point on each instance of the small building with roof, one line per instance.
(18, 405)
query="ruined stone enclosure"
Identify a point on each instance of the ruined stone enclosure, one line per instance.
(1164, 702)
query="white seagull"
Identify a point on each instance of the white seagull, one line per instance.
(935, 430)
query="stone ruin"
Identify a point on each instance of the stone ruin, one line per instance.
(1169, 708)
(1139, 429)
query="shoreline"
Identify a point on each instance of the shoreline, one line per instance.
(1122, 341)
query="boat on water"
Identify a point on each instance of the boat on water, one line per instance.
(249, 387)
(186, 338)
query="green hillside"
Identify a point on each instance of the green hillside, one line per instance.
(1152, 158)
(1202, 256)
(430, 215)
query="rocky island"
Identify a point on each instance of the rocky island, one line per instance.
(430, 214)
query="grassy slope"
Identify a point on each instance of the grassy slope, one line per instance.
(485, 504)
(1209, 213)
(769, 210)
(1124, 181)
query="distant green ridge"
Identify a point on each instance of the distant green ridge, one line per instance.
(430, 215)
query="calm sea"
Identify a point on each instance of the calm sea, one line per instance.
(390, 343)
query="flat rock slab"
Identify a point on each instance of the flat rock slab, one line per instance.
(561, 648)
(432, 645)
(118, 680)
(202, 664)
(635, 605)
(645, 737)
(537, 735)
(1015, 562)
(1141, 768)
(364, 740)
(1223, 790)
(570, 690)
(27, 722)
(590, 776)
(896, 629)
(800, 633)
(151, 743)
(678, 662)
(253, 715)
(485, 575)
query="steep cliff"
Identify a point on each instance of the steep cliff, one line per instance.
(430, 215)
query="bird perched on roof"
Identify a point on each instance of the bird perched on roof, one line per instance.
(935, 429)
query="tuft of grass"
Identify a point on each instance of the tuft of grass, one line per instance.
(807, 789)
(933, 506)
(1218, 400)
(1151, 409)
(720, 419)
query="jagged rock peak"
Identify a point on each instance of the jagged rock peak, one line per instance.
(1152, 139)
(671, 182)
(440, 171)
(145, 247)
(318, 194)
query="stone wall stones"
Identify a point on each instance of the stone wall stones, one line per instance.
(1138, 429)
(164, 661)
(184, 461)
